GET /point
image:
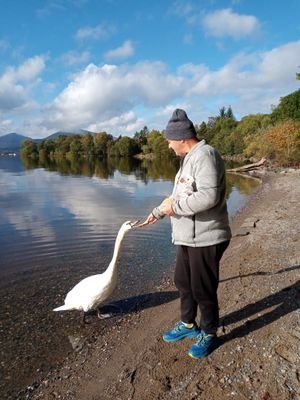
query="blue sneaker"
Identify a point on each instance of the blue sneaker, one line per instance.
(180, 331)
(204, 345)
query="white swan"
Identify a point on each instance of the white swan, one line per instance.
(92, 291)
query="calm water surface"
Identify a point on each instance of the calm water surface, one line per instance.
(58, 225)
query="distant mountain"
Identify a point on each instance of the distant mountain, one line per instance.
(12, 141)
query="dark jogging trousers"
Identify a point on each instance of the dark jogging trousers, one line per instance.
(197, 279)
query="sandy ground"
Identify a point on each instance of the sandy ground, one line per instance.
(259, 355)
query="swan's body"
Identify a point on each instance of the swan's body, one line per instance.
(92, 291)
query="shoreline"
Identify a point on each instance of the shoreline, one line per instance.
(259, 297)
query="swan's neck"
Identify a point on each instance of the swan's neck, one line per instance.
(113, 263)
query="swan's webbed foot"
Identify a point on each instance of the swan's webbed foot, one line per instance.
(84, 320)
(109, 314)
(103, 316)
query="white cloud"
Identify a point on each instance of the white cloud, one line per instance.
(17, 82)
(225, 22)
(253, 82)
(123, 124)
(253, 73)
(186, 10)
(74, 57)
(279, 63)
(181, 8)
(101, 31)
(98, 94)
(124, 51)
(27, 71)
(5, 126)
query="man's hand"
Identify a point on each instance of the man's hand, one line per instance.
(150, 220)
(166, 206)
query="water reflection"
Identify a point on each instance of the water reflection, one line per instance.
(243, 184)
(106, 167)
(238, 187)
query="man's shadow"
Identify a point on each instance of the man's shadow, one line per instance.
(287, 300)
(262, 273)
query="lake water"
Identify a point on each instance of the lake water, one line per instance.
(58, 225)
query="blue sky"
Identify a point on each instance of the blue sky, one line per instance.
(116, 65)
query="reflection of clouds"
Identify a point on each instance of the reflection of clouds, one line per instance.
(33, 223)
(106, 202)
(21, 211)
(41, 198)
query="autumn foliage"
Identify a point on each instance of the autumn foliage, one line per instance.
(284, 142)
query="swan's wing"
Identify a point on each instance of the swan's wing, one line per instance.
(90, 292)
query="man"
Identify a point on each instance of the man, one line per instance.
(201, 231)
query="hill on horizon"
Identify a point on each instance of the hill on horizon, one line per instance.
(12, 141)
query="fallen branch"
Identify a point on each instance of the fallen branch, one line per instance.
(249, 167)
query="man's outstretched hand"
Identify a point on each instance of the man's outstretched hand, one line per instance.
(150, 220)
(165, 208)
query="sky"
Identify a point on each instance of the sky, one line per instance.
(117, 66)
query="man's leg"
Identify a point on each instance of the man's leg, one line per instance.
(182, 278)
(186, 328)
(204, 263)
(204, 270)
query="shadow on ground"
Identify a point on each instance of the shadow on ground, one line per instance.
(281, 303)
(262, 273)
(137, 303)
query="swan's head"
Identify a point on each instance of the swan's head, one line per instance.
(128, 225)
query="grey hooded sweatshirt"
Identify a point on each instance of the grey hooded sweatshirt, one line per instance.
(201, 217)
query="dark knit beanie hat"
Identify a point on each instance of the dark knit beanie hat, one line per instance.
(180, 126)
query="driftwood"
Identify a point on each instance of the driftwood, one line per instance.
(249, 167)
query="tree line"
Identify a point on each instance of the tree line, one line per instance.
(275, 136)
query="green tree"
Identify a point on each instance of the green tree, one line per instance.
(248, 130)
(158, 145)
(125, 147)
(102, 142)
(29, 149)
(141, 137)
(220, 131)
(229, 113)
(75, 149)
(87, 144)
(222, 113)
(202, 131)
(288, 108)
(49, 146)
